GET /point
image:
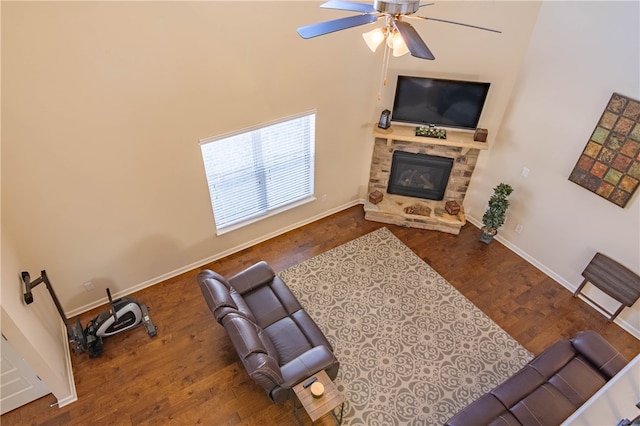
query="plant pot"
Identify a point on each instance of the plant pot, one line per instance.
(487, 235)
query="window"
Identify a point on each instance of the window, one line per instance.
(260, 171)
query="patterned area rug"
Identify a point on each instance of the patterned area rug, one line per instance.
(413, 350)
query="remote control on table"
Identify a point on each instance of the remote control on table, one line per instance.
(310, 382)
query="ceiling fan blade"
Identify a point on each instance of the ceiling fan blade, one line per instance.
(348, 5)
(456, 23)
(414, 42)
(327, 27)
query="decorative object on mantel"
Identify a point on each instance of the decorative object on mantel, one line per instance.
(609, 166)
(452, 207)
(418, 210)
(385, 119)
(431, 132)
(375, 196)
(480, 135)
(494, 217)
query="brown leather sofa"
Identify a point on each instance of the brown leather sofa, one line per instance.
(277, 341)
(549, 388)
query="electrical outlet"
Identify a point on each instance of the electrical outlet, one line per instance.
(324, 198)
(518, 228)
(88, 286)
(525, 172)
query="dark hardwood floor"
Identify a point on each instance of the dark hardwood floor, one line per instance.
(189, 374)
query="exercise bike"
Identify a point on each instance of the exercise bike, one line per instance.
(123, 314)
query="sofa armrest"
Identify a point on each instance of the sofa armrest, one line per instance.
(216, 293)
(252, 277)
(604, 357)
(307, 364)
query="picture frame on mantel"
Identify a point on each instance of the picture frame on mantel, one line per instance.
(609, 165)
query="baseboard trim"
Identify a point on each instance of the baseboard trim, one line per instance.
(524, 255)
(551, 274)
(73, 394)
(66, 401)
(210, 259)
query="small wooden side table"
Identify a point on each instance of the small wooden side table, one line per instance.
(318, 407)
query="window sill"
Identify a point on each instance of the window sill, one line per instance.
(227, 229)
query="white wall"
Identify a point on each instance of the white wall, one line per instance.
(104, 104)
(580, 53)
(36, 331)
(103, 107)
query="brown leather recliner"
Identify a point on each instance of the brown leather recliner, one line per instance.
(277, 341)
(549, 388)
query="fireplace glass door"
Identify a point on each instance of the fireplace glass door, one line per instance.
(419, 175)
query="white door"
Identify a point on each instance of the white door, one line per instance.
(19, 384)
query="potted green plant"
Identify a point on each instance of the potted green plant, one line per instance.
(494, 217)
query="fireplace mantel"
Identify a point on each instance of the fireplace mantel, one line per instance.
(454, 138)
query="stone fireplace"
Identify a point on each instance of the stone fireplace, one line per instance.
(418, 175)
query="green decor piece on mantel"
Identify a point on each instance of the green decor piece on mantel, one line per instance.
(609, 165)
(495, 215)
(431, 132)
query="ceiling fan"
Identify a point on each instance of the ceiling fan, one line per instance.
(399, 34)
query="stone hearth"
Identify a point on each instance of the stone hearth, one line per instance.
(418, 212)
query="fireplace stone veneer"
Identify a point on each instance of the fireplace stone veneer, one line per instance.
(412, 211)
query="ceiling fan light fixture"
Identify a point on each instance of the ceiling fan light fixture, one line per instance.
(374, 38)
(400, 36)
(397, 44)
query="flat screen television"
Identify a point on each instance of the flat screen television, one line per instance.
(424, 101)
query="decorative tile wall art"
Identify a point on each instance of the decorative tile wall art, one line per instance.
(609, 166)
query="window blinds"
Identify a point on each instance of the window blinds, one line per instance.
(256, 171)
